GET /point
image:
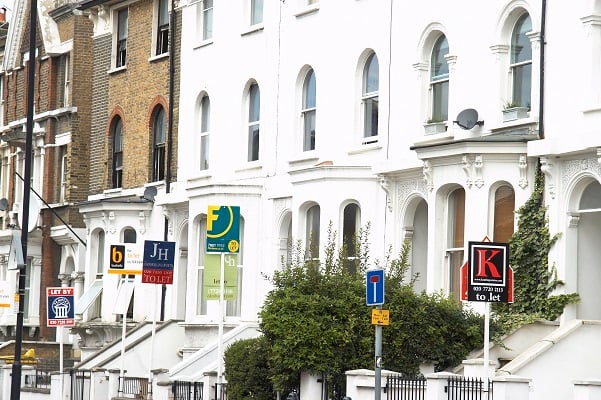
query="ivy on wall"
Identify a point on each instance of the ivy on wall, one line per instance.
(535, 282)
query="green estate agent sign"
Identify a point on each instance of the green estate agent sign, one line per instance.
(212, 275)
(223, 229)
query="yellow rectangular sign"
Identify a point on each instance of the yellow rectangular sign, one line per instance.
(380, 317)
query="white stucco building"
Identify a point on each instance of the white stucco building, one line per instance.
(306, 112)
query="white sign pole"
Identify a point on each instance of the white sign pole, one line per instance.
(122, 367)
(154, 329)
(60, 347)
(486, 343)
(221, 317)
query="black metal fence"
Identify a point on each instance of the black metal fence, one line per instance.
(134, 387)
(462, 388)
(402, 387)
(221, 391)
(80, 385)
(187, 390)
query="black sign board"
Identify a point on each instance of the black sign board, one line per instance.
(489, 276)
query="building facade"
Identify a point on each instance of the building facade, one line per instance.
(418, 122)
(61, 116)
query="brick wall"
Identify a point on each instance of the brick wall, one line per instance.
(98, 129)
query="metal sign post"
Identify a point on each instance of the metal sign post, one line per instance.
(487, 277)
(60, 309)
(374, 296)
(223, 236)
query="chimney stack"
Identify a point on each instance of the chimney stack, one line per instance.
(2, 15)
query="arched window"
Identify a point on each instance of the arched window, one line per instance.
(455, 238)
(117, 162)
(254, 115)
(129, 235)
(521, 62)
(504, 214)
(308, 112)
(350, 230)
(205, 127)
(100, 254)
(312, 232)
(369, 96)
(591, 197)
(439, 81)
(158, 152)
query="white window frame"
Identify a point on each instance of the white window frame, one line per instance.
(370, 97)
(255, 19)
(119, 59)
(454, 255)
(206, 16)
(253, 124)
(436, 82)
(159, 145)
(67, 79)
(160, 32)
(312, 231)
(513, 66)
(309, 112)
(204, 131)
(62, 184)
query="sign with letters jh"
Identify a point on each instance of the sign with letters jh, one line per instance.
(157, 265)
(489, 276)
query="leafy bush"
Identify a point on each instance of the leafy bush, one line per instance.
(247, 371)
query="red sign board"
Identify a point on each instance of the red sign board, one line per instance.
(487, 276)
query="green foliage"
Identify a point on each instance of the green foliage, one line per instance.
(246, 370)
(315, 319)
(534, 281)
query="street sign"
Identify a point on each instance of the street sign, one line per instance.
(374, 287)
(212, 277)
(125, 259)
(60, 306)
(380, 317)
(489, 277)
(223, 229)
(158, 262)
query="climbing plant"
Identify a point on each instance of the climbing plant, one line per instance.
(535, 281)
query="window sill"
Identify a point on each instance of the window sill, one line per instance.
(117, 70)
(253, 29)
(311, 9)
(158, 57)
(250, 167)
(309, 157)
(435, 127)
(204, 43)
(365, 147)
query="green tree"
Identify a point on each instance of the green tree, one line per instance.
(534, 280)
(425, 328)
(247, 370)
(316, 320)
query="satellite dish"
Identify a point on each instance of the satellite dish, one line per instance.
(3, 204)
(468, 118)
(149, 193)
(34, 213)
